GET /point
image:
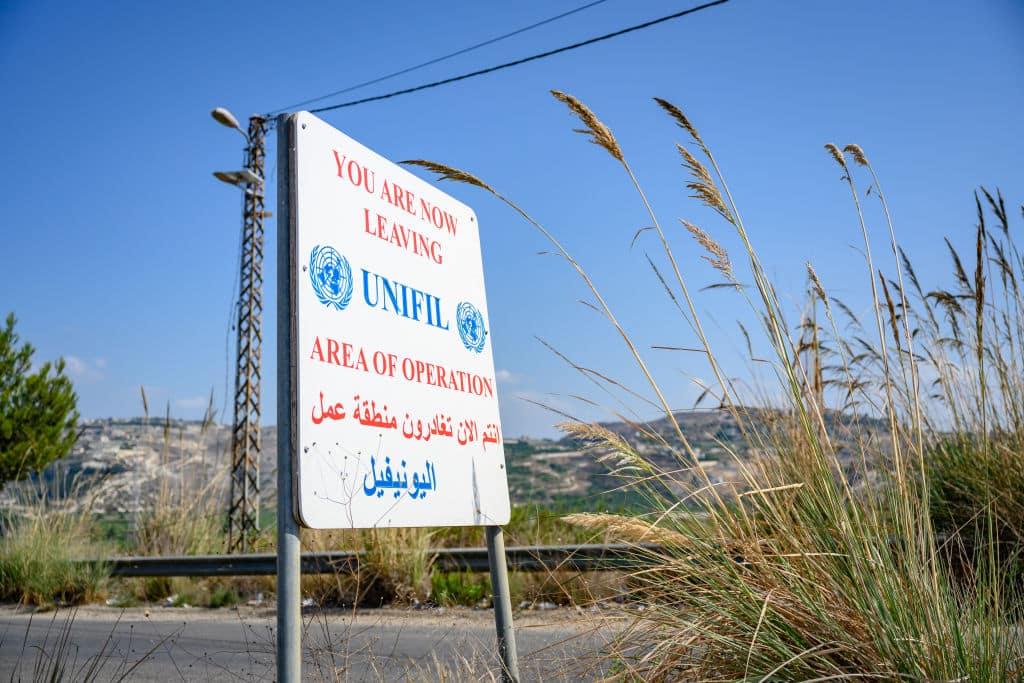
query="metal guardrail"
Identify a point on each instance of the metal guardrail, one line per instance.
(520, 558)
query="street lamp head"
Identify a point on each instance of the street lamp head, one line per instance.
(226, 118)
(229, 177)
(247, 176)
(238, 178)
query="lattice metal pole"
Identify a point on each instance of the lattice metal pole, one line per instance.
(244, 506)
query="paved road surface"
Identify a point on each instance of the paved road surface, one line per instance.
(177, 644)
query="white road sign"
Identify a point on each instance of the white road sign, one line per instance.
(397, 409)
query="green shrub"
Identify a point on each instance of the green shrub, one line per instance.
(224, 596)
(460, 588)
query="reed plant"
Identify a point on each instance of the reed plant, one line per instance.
(41, 544)
(974, 338)
(186, 514)
(821, 559)
(186, 518)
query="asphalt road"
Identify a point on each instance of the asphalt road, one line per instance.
(181, 644)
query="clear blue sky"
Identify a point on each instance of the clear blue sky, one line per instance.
(119, 249)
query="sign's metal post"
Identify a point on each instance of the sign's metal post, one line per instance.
(502, 605)
(289, 617)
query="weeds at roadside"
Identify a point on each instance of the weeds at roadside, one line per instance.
(460, 588)
(368, 646)
(38, 549)
(224, 596)
(395, 567)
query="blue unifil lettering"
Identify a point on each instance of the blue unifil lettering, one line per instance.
(408, 302)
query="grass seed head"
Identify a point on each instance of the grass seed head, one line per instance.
(858, 154)
(619, 452)
(627, 529)
(698, 170)
(684, 123)
(836, 154)
(717, 255)
(449, 173)
(599, 133)
(818, 289)
(703, 186)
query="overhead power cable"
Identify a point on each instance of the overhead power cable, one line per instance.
(463, 51)
(517, 62)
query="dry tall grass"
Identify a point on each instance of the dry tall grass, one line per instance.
(184, 519)
(39, 548)
(815, 564)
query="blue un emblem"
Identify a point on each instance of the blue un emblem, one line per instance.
(331, 276)
(471, 326)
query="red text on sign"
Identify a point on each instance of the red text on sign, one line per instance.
(346, 355)
(401, 236)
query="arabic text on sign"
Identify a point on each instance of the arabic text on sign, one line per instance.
(386, 479)
(367, 413)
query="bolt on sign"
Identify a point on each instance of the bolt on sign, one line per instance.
(396, 401)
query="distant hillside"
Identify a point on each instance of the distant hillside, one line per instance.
(123, 464)
(563, 473)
